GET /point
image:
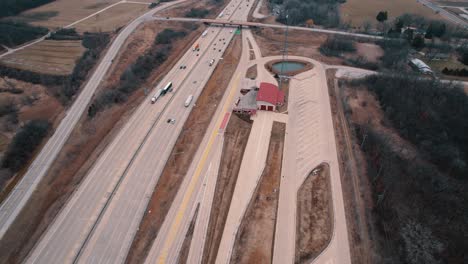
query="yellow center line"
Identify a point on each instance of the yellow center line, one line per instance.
(191, 188)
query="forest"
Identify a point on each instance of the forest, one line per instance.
(14, 33)
(321, 12)
(420, 202)
(14, 7)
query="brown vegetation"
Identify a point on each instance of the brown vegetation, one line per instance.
(235, 141)
(213, 8)
(355, 185)
(251, 72)
(255, 237)
(66, 11)
(112, 19)
(48, 57)
(183, 153)
(300, 43)
(185, 249)
(314, 224)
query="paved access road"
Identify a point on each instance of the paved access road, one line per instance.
(446, 14)
(99, 222)
(23, 190)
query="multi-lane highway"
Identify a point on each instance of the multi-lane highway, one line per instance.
(99, 221)
(23, 190)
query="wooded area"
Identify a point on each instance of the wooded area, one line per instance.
(420, 200)
(322, 12)
(14, 33)
(14, 7)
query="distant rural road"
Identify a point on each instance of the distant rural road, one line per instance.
(12, 206)
(446, 14)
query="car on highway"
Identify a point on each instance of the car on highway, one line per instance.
(171, 121)
(212, 62)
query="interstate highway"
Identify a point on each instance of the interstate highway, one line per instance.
(99, 221)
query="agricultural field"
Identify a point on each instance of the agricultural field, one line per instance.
(48, 57)
(358, 12)
(112, 18)
(61, 13)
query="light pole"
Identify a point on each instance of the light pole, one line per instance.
(285, 51)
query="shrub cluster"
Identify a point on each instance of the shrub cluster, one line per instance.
(197, 12)
(14, 33)
(24, 144)
(455, 72)
(336, 46)
(65, 34)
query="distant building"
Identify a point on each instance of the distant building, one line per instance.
(269, 97)
(420, 66)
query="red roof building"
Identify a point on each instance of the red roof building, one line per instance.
(269, 96)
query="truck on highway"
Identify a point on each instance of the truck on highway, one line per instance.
(166, 88)
(196, 47)
(212, 62)
(204, 33)
(188, 101)
(156, 96)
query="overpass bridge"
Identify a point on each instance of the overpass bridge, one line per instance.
(246, 24)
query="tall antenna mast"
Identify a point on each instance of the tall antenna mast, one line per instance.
(285, 50)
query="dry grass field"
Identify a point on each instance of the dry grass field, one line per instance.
(67, 11)
(48, 56)
(360, 11)
(111, 19)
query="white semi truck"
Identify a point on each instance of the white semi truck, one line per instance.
(161, 92)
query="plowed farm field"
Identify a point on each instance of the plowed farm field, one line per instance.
(48, 57)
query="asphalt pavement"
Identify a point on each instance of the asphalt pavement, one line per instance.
(23, 190)
(100, 220)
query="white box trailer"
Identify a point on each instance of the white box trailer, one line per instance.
(188, 101)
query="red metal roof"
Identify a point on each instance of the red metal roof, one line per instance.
(270, 93)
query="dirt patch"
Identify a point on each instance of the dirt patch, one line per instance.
(300, 43)
(184, 251)
(87, 141)
(235, 141)
(183, 152)
(251, 55)
(112, 19)
(48, 57)
(181, 9)
(314, 226)
(371, 52)
(251, 72)
(359, 12)
(285, 88)
(255, 237)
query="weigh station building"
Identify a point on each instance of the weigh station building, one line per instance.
(267, 98)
